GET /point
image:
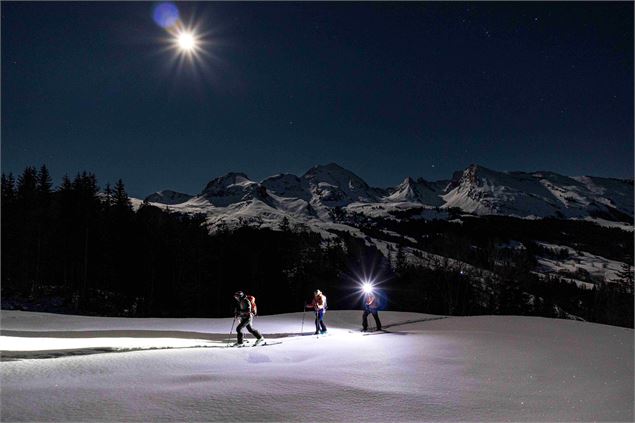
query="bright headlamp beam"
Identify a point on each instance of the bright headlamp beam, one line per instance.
(14, 343)
(186, 41)
(367, 287)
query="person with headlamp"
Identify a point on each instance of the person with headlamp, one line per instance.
(371, 305)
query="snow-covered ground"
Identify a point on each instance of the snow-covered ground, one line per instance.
(479, 368)
(597, 267)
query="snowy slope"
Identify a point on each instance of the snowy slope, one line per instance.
(484, 191)
(333, 186)
(582, 267)
(232, 188)
(481, 368)
(614, 193)
(418, 191)
(288, 185)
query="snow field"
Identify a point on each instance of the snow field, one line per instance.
(478, 368)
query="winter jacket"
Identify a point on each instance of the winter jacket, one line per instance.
(371, 302)
(243, 309)
(319, 302)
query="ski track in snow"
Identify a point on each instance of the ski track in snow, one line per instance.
(478, 368)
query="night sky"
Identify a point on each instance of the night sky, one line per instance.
(386, 90)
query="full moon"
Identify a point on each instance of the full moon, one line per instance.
(186, 41)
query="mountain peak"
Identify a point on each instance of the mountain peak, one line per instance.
(419, 190)
(407, 181)
(222, 182)
(472, 173)
(167, 196)
(329, 167)
(333, 185)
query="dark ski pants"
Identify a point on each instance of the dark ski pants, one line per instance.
(319, 321)
(246, 322)
(365, 318)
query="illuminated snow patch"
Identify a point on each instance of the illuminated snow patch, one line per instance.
(15, 343)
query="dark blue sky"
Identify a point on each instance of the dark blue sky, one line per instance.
(386, 90)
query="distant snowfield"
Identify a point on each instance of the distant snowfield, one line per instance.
(478, 368)
(597, 266)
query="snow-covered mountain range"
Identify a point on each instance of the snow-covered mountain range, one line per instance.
(476, 190)
(331, 200)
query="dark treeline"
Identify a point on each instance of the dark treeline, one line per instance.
(512, 292)
(78, 249)
(509, 286)
(474, 238)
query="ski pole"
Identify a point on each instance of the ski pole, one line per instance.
(231, 330)
(303, 314)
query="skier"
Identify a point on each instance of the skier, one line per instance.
(244, 311)
(319, 305)
(370, 307)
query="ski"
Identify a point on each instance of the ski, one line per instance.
(375, 332)
(237, 345)
(264, 344)
(369, 332)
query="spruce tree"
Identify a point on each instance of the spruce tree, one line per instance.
(122, 202)
(284, 225)
(8, 189)
(625, 278)
(27, 186)
(108, 196)
(44, 181)
(42, 223)
(26, 215)
(10, 232)
(401, 262)
(66, 185)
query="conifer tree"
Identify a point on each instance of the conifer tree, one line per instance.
(8, 189)
(122, 202)
(66, 185)
(27, 186)
(401, 263)
(284, 225)
(42, 222)
(44, 181)
(10, 231)
(108, 196)
(625, 276)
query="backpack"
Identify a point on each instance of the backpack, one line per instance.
(252, 301)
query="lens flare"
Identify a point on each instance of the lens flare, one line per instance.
(165, 15)
(367, 287)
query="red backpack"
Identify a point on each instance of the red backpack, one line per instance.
(252, 300)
